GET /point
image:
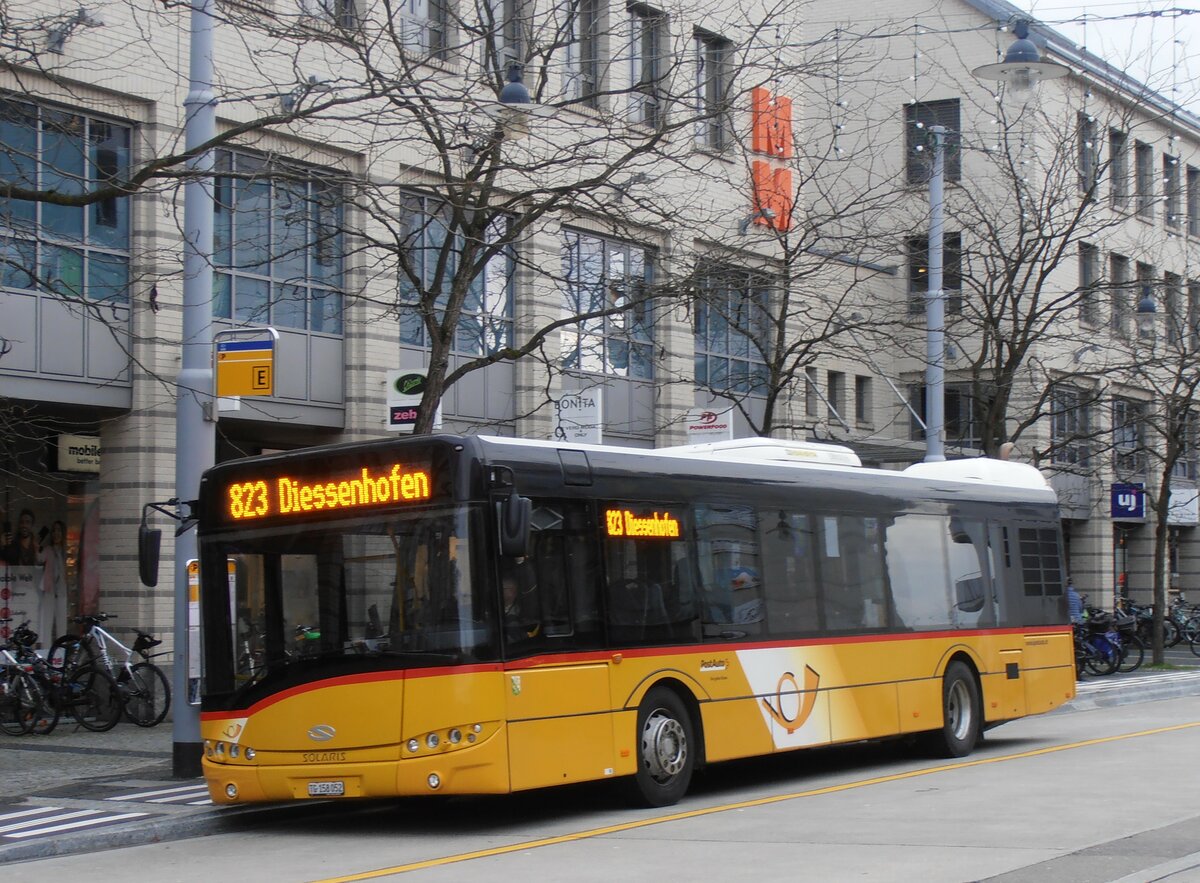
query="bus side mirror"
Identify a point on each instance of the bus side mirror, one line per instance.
(149, 543)
(514, 513)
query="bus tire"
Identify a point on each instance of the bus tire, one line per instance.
(960, 713)
(666, 750)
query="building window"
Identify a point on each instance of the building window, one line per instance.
(1172, 190)
(338, 13)
(72, 252)
(485, 325)
(648, 36)
(1193, 314)
(1173, 308)
(965, 414)
(918, 140)
(277, 246)
(1089, 155)
(1143, 158)
(733, 331)
(1118, 168)
(583, 52)
(812, 397)
(863, 406)
(1122, 293)
(712, 91)
(1129, 436)
(1183, 433)
(918, 272)
(602, 274)
(1193, 201)
(1089, 281)
(836, 395)
(1145, 285)
(1070, 426)
(422, 25)
(502, 35)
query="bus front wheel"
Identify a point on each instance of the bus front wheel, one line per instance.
(665, 749)
(960, 713)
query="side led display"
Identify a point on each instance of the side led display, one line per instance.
(656, 525)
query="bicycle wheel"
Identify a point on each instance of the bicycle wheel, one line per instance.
(18, 703)
(1133, 652)
(147, 695)
(70, 652)
(1191, 628)
(1104, 659)
(1195, 646)
(95, 701)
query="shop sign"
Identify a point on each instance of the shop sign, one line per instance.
(578, 417)
(20, 599)
(1184, 508)
(708, 426)
(1128, 502)
(404, 392)
(78, 453)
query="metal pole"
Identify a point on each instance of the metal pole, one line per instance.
(195, 443)
(935, 308)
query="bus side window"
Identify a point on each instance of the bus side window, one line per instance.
(731, 602)
(970, 573)
(789, 578)
(852, 576)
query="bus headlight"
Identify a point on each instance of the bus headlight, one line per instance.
(231, 791)
(414, 746)
(455, 736)
(234, 751)
(432, 740)
(250, 752)
(435, 781)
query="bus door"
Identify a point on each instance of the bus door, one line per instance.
(1006, 698)
(558, 705)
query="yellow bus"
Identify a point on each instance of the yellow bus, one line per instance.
(475, 615)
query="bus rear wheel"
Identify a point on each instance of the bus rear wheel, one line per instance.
(665, 749)
(960, 713)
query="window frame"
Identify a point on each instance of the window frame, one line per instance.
(1070, 426)
(712, 90)
(638, 334)
(918, 117)
(1143, 159)
(648, 42)
(49, 238)
(1089, 283)
(1129, 435)
(752, 293)
(1118, 169)
(917, 248)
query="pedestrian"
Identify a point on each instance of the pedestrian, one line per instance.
(54, 584)
(1074, 603)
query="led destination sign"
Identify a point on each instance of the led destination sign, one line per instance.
(623, 523)
(289, 496)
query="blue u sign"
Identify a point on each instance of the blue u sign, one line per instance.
(1128, 501)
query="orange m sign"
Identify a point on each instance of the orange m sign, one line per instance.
(773, 196)
(771, 124)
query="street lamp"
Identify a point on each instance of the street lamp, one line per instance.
(1022, 69)
(1147, 311)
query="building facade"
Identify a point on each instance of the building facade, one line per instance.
(718, 225)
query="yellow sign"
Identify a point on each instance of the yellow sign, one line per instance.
(246, 368)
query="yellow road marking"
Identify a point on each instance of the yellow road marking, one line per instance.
(746, 804)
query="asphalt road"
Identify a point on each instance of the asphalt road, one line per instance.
(1075, 796)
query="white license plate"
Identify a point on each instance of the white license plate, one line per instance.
(326, 789)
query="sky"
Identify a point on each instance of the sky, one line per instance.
(1156, 41)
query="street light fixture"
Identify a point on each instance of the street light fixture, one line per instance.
(1147, 311)
(1022, 68)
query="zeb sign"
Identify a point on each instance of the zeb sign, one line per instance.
(405, 389)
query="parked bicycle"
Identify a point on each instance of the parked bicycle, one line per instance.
(83, 692)
(22, 700)
(144, 690)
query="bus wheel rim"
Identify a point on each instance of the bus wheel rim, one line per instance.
(664, 746)
(958, 709)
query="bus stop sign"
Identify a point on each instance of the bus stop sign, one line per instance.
(246, 368)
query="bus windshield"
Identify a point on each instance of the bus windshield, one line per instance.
(346, 592)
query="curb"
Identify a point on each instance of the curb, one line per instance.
(1101, 693)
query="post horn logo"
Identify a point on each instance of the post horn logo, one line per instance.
(789, 686)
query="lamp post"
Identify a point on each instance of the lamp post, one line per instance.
(1022, 69)
(195, 438)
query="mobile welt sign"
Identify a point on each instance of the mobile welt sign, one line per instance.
(577, 417)
(405, 389)
(708, 426)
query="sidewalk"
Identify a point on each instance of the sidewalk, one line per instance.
(77, 791)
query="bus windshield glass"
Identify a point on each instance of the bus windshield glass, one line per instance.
(348, 593)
